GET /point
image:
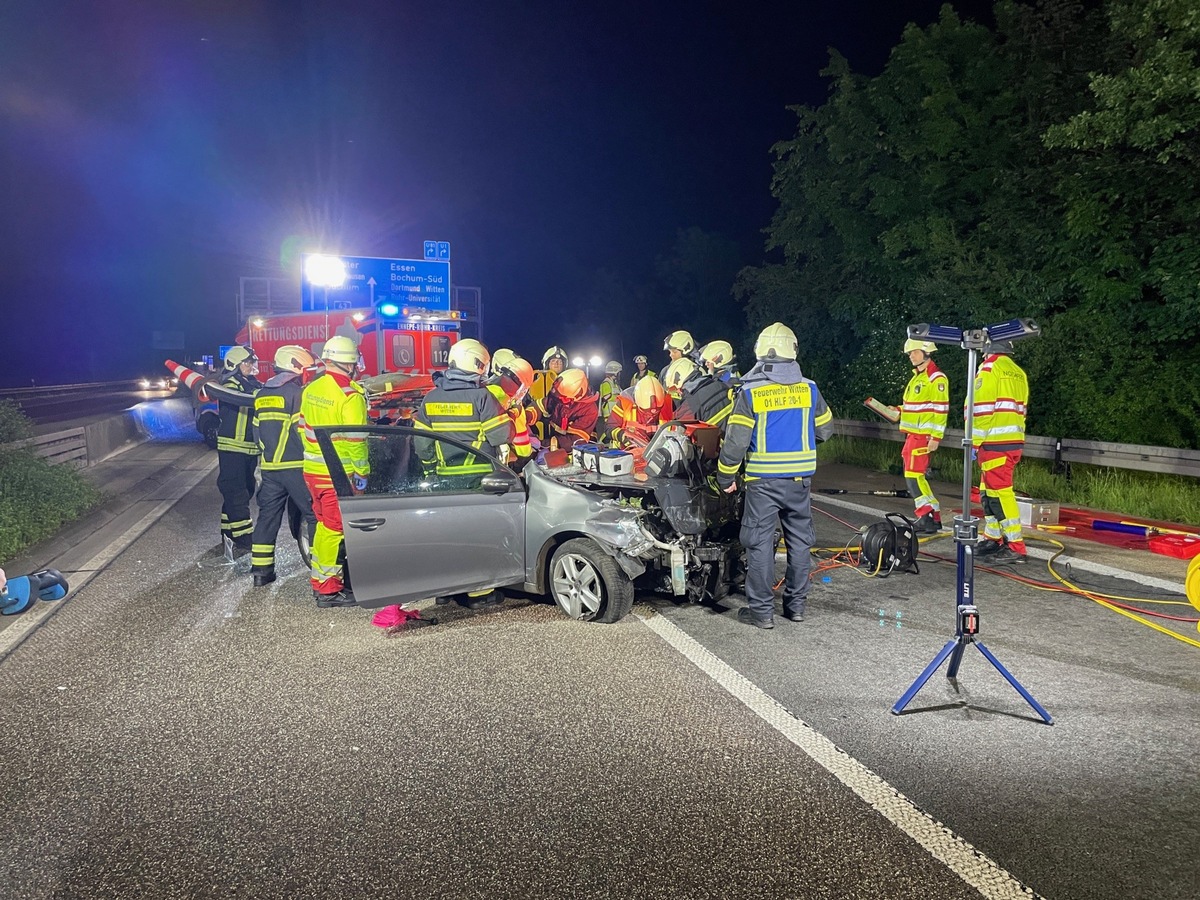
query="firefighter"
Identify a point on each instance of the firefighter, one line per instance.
(703, 396)
(333, 399)
(717, 358)
(778, 418)
(572, 414)
(276, 415)
(923, 422)
(509, 385)
(610, 387)
(641, 363)
(678, 344)
(462, 406)
(554, 361)
(237, 451)
(997, 438)
(637, 414)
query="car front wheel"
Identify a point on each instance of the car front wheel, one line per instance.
(587, 583)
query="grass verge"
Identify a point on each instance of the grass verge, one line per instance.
(1145, 495)
(36, 498)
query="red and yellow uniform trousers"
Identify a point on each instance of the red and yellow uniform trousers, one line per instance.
(333, 399)
(998, 436)
(923, 419)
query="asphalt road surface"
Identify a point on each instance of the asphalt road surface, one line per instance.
(171, 731)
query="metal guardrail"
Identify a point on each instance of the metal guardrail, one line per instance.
(1165, 460)
(68, 446)
(48, 389)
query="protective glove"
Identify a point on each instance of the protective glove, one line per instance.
(974, 454)
(359, 483)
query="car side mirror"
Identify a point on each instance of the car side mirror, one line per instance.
(498, 482)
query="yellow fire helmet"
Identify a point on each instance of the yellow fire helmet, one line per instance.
(913, 344)
(677, 373)
(238, 355)
(776, 341)
(679, 340)
(717, 354)
(501, 360)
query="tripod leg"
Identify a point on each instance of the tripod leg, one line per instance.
(907, 696)
(956, 658)
(1016, 684)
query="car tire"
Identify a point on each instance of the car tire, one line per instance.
(587, 584)
(207, 427)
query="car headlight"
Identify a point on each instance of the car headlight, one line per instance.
(144, 384)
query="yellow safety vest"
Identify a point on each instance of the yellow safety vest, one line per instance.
(325, 402)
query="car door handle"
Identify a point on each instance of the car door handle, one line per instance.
(366, 524)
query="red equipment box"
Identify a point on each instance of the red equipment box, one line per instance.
(1178, 545)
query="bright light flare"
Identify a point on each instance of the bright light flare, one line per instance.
(325, 271)
(578, 362)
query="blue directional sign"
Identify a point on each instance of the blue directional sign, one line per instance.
(443, 250)
(431, 249)
(411, 283)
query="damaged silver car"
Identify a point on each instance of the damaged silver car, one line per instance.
(584, 538)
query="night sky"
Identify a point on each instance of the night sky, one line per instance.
(151, 153)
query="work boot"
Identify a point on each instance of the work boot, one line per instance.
(341, 598)
(244, 543)
(987, 547)
(747, 617)
(1007, 556)
(262, 579)
(491, 598)
(795, 615)
(927, 525)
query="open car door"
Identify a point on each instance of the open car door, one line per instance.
(414, 532)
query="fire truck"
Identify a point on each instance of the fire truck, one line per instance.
(402, 346)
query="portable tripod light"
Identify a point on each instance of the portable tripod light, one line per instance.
(966, 529)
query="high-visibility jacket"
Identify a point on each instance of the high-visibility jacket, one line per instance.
(638, 376)
(777, 420)
(276, 415)
(926, 403)
(706, 399)
(519, 441)
(609, 390)
(1001, 402)
(235, 433)
(539, 395)
(630, 425)
(462, 408)
(333, 399)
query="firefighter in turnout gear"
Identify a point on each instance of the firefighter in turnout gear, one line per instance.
(679, 344)
(641, 363)
(333, 399)
(703, 396)
(923, 421)
(572, 414)
(462, 407)
(276, 417)
(638, 412)
(998, 438)
(778, 418)
(511, 378)
(237, 451)
(554, 362)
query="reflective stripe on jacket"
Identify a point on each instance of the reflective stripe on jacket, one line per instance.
(276, 415)
(461, 408)
(926, 403)
(708, 400)
(777, 420)
(1001, 402)
(519, 440)
(235, 433)
(628, 424)
(333, 399)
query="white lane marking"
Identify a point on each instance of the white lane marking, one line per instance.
(13, 635)
(1085, 565)
(959, 856)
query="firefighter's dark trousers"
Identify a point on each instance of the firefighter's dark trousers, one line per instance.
(769, 503)
(278, 486)
(235, 481)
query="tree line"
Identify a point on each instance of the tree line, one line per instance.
(1048, 167)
